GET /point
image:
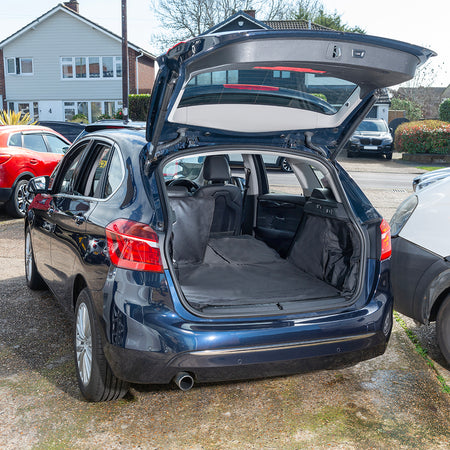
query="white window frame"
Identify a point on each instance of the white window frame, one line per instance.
(33, 107)
(18, 60)
(116, 60)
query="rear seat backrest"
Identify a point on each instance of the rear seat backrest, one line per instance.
(193, 219)
(227, 197)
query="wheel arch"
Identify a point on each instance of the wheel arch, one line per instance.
(438, 302)
(78, 285)
(23, 176)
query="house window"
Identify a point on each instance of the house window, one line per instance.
(108, 66)
(91, 67)
(80, 67)
(19, 66)
(67, 67)
(69, 110)
(118, 60)
(96, 110)
(25, 107)
(94, 67)
(92, 110)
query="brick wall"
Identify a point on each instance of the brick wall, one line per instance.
(146, 71)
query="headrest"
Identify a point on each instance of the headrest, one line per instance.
(323, 194)
(216, 168)
(177, 191)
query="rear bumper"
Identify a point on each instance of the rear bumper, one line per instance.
(5, 194)
(247, 362)
(149, 341)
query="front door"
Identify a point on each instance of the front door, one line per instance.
(50, 110)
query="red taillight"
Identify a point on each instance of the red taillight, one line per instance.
(386, 247)
(5, 157)
(133, 245)
(251, 87)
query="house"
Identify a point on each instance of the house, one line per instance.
(246, 21)
(428, 98)
(63, 64)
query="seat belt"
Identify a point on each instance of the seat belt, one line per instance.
(244, 196)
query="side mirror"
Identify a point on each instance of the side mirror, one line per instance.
(39, 185)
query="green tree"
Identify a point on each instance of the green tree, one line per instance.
(412, 110)
(444, 110)
(315, 11)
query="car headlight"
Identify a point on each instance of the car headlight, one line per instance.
(402, 214)
(387, 141)
(354, 140)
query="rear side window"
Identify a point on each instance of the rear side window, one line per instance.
(56, 144)
(104, 171)
(15, 140)
(34, 142)
(114, 175)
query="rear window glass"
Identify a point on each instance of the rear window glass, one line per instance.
(292, 87)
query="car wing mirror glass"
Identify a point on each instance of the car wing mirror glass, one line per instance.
(39, 185)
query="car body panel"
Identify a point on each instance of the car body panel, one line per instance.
(427, 178)
(149, 334)
(24, 162)
(431, 217)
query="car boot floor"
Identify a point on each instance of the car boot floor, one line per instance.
(242, 270)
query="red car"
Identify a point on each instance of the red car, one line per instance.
(26, 151)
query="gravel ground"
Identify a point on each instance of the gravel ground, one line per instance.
(393, 401)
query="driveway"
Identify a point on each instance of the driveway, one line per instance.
(393, 401)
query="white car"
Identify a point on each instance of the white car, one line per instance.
(427, 178)
(421, 259)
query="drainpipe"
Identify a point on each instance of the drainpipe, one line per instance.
(137, 71)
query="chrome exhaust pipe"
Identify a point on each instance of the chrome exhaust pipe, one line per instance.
(184, 381)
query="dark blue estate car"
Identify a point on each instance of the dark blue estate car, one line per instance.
(177, 269)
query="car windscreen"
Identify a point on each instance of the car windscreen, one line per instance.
(291, 87)
(375, 125)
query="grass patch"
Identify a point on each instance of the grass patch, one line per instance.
(429, 168)
(419, 349)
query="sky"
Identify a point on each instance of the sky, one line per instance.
(424, 23)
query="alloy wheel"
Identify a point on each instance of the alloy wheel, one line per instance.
(83, 342)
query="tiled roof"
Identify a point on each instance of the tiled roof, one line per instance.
(294, 25)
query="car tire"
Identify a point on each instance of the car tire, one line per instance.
(443, 328)
(285, 166)
(389, 156)
(17, 205)
(95, 378)
(34, 279)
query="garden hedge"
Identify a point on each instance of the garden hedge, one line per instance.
(427, 136)
(444, 110)
(138, 106)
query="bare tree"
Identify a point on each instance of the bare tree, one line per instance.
(184, 19)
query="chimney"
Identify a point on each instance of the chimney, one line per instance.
(250, 12)
(73, 5)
